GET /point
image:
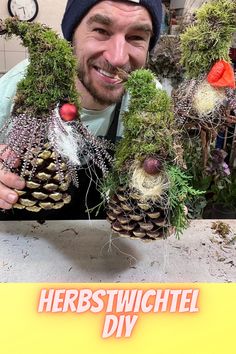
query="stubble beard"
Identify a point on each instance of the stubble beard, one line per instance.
(108, 98)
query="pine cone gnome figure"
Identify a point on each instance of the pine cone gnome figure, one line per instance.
(147, 188)
(44, 130)
(205, 99)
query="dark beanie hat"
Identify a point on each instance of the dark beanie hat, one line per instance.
(77, 9)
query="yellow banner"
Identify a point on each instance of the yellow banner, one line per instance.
(132, 318)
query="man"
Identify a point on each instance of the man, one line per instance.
(106, 35)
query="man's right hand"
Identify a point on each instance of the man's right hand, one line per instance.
(8, 182)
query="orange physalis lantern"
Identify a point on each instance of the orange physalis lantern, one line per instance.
(221, 75)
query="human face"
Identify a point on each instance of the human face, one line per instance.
(113, 35)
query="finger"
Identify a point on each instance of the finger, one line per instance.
(4, 205)
(11, 180)
(8, 195)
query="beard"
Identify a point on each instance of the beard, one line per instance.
(107, 94)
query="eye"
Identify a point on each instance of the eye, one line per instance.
(136, 38)
(101, 31)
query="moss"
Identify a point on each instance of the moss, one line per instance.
(209, 38)
(141, 94)
(50, 76)
(145, 95)
(148, 124)
(134, 124)
(221, 228)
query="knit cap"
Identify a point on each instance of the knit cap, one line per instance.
(77, 9)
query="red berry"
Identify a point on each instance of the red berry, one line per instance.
(68, 112)
(152, 166)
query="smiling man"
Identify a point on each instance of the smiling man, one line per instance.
(111, 35)
(108, 37)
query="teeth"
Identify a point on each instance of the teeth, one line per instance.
(103, 72)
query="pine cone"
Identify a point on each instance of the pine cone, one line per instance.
(130, 217)
(49, 184)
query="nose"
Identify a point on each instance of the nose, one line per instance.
(116, 52)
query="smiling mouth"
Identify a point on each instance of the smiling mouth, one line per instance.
(113, 76)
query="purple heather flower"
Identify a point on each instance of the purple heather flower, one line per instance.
(226, 168)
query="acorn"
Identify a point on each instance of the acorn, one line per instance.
(68, 112)
(152, 165)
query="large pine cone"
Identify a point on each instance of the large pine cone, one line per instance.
(130, 217)
(48, 186)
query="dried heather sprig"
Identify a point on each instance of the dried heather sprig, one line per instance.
(49, 81)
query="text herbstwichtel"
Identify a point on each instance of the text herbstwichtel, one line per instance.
(121, 307)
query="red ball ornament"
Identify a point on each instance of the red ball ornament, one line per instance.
(152, 166)
(68, 112)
